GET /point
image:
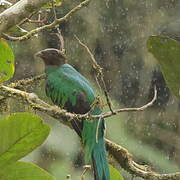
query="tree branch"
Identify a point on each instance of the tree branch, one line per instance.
(117, 111)
(10, 90)
(125, 159)
(48, 26)
(19, 11)
(36, 103)
(25, 82)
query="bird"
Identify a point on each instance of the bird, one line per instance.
(70, 90)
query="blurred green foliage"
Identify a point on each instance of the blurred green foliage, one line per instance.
(25, 171)
(114, 174)
(20, 134)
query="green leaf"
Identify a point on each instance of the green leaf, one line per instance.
(56, 3)
(167, 53)
(6, 61)
(24, 171)
(20, 133)
(115, 174)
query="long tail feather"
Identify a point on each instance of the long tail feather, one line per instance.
(100, 164)
(93, 140)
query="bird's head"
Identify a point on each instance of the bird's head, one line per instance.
(52, 57)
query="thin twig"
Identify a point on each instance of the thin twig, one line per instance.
(98, 83)
(26, 19)
(97, 67)
(106, 93)
(48, 26)
(25, 82)
(61, 41)
(54, 10)
(117, 111)
(38, 21)
(94, 63)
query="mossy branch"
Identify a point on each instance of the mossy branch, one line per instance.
(11, 91)
(25, 82)
(125, 159)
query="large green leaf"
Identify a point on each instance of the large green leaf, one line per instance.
(114, 174)
(20, 133)
(24, 171)
(6, 61)
(167, 53)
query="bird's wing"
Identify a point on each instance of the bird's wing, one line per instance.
(70, 90)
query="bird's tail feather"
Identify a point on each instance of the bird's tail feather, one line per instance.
(100, 164)
(93, 140)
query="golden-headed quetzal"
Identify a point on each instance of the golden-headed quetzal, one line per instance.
(68, 89)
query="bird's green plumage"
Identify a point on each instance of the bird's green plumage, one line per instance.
(64, 83)
(66, 87)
